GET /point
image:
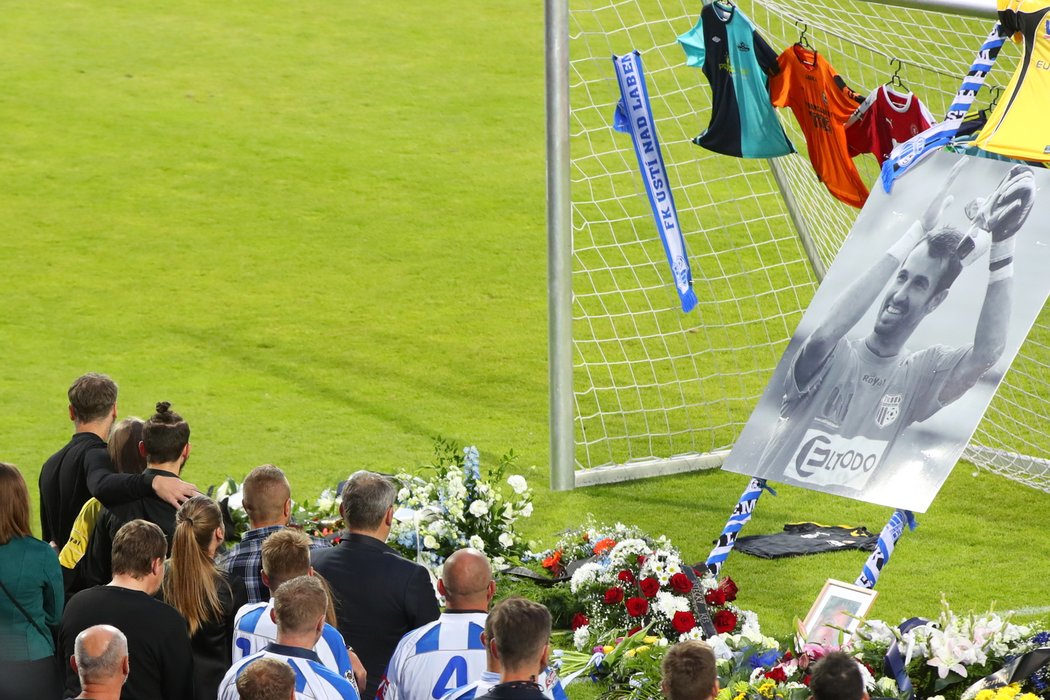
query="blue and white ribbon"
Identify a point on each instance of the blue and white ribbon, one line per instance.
(906, 155)
(634, 116)
(884, 547)
(740, 517)
(896, 664)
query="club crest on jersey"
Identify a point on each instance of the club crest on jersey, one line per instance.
(743, 47)
(888, 410)
(1046, 29)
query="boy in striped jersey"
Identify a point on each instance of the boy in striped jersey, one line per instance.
(299, 609)
(286, 555)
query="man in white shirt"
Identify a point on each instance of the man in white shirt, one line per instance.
(548, 680)
(433, 659)
(286, 555)
(299, 609)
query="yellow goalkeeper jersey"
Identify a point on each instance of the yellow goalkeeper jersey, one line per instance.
(1019, 126)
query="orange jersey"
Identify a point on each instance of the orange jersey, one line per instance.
(822, 103)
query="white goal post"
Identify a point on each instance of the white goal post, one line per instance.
(638, 388)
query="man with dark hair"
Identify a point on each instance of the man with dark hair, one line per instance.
(166, 447)
(299, 607)
(156, 634)
(847, 400)
(286, 555)
(521, 632)
(83, 468)
(100, 660)
(379, 595)
(689, 672)
(837, 677)
(268, 502)
(266, 679)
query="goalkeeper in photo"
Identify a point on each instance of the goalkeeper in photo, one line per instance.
(849, 388)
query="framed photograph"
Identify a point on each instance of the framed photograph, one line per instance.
(836, 613)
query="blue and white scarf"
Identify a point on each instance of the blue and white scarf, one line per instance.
(634, 116)
(906, 155)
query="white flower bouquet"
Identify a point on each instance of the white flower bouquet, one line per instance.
(452, 505)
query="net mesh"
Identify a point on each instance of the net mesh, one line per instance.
(653, 383)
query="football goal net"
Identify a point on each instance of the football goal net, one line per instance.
(640, 388)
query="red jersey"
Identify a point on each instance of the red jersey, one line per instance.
(885, 119)
(822, 103)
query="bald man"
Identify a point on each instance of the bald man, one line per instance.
(100, 660)
(447, 653)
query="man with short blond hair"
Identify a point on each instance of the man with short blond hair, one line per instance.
(689, 672)
(299, 608)
(267, 679)
(286, 555)
(267, 498)
(100, 660)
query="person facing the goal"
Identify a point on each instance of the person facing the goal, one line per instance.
(846, 400)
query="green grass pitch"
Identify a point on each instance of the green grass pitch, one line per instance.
(317, 228)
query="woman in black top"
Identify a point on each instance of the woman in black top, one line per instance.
(206, 596)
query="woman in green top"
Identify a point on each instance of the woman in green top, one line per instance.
(31, 598)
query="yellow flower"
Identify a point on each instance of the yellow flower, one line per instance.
(767, 689)
(1008, 692)
(651, 639)
(630, 653)
(606, 649)
(740, 696)
(985, 695)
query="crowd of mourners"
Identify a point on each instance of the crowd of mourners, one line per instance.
(131, 593)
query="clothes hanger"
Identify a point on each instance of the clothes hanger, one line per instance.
(995, 91)
(802, 40)
(895, 79)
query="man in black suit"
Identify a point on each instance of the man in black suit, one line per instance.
(379, 594)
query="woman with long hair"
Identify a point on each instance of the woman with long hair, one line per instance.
(31, 598)
(204, 594)
(123, 446)
(123, 449)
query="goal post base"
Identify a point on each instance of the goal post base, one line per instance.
(643, 469)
